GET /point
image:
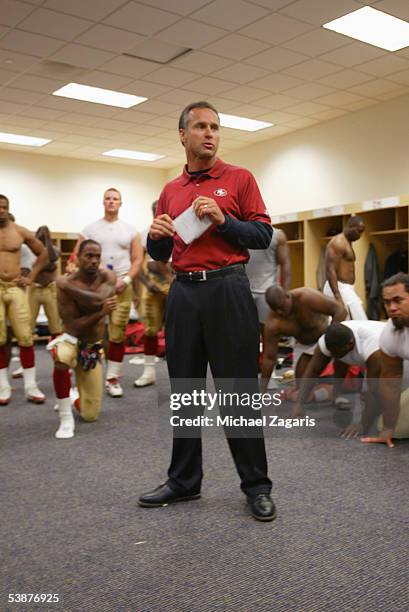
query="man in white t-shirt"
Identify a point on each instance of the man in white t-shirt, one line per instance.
(121, 252)
(352, 343)
(394, 345)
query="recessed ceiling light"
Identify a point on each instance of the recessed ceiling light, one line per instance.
(140, 155)
(374, 27)
(98, 95)
(242, 123)
(19, 139)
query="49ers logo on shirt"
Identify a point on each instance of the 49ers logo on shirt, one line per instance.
(220, 192)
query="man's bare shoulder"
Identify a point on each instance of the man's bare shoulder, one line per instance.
(304, 295)
(338, 242)
(273, 323)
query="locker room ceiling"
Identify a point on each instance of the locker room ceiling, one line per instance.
(263, 59)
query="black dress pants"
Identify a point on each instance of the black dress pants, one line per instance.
(214, 322)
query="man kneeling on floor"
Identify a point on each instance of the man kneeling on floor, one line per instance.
(84, 300)
(353, 343)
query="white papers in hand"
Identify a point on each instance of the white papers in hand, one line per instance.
(189, 226)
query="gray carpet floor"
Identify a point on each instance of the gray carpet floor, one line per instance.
(70, 523)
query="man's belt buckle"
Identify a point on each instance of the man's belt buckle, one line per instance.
(198, 276)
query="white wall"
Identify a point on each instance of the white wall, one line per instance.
(356, 157)
(66, 193)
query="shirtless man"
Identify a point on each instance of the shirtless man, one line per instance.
(302, 313)
(85, 298)
(14, 302)
(44, 292)
(340, 268)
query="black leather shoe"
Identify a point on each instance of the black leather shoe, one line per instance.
(162, 496)
(262, 507)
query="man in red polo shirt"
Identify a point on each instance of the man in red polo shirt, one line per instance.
(211, 317)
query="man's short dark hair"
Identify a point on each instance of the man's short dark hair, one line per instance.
(274, 296)
(397, 279)
(85, 243)
(184, 116)
(338, 335)
(5, 198)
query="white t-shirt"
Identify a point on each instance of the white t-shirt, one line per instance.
(395, 342)
(115, 238)
(367, 340)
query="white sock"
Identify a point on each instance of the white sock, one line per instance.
(149, 360)
(114, 369)
(29, 375)
(4, 380)
(67, 423)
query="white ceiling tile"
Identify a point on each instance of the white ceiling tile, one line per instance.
(241, 73)
(244, 93)
(276, 29)
(10, 108)
(10, 94)
(345, 79)
(158, 51)
(277, 117)
(172, 76)
(97, 78)
(401, 77)
(36, 83)
(110, 39)
(312, 69)
(146, 130)
(272, 5)
(301, 123)
(233, 14)
(65, 104)
(145, 89)
(374, 88)
(43, 21)
(276, 59)
(33, 44)
(316, 42)
(307, 108)
(216, 86)
(89, 9)
(359, 105)
(141, 19)
(165, 122)
(339, 99)
(129, 66)
(397, 8)
(402, 91)
(78, 119)
(42, 113)
(3, 30)
(330, 114)
(181, 7)
(99, 110)
(277, 102)
(191, 34)
(385, 65)
(158, 107)
(319, 11)
(13, 12)
(248, 110)
(280, 130)
(57, 148)
(17, 62)
(353, 54)
(204, 63)
(236, 47)
(133, 115)
(6, 76)
(309, 91)
(62, 126)
(79, 55)
(277, 82)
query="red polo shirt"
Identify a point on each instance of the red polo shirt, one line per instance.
(237, 194)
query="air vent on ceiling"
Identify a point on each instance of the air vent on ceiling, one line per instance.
(157, 51)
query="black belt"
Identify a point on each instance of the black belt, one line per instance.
(204, 275)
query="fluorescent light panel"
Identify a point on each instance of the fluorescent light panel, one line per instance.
(19, 139)
(139, 155)
(98, 95)
(242, 123)
(373, 27)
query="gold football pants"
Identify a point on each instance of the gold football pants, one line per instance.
(46, 297)
(153, 309)
(118, 318)
(14, 307)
